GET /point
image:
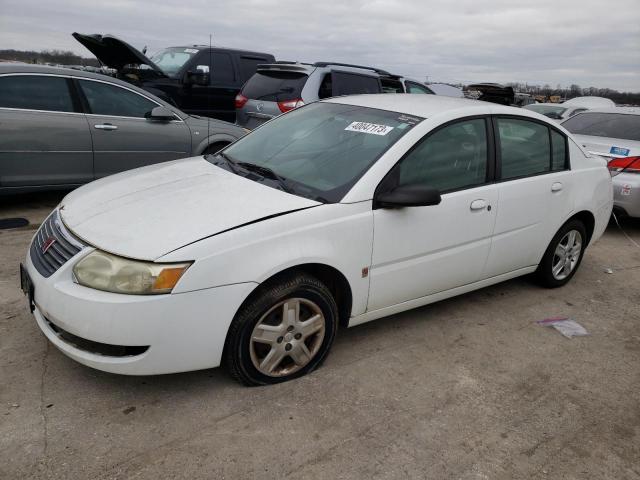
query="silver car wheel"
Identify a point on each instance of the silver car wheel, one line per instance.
(287, 337)
(566, 255)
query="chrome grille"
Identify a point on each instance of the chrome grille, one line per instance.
(53, 245)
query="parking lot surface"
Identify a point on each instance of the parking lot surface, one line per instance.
(468, 388)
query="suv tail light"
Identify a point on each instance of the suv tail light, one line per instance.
(290, 104)
(627, 165)
(241, 100)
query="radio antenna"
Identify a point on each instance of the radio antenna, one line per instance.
(209, 91)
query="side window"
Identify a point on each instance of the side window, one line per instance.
(326, 89)
(524, 147)
(248, 66)
(417, 88)
(453, 157)
(35, 92)
(559, 149)
(222, 70)
(351, 83)
(107, 99)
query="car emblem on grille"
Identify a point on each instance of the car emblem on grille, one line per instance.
(260, 106)
(47, 244)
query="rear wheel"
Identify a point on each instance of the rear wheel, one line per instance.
(284, 332)
(563, 256)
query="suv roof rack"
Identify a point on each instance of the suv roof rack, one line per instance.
(326, 64)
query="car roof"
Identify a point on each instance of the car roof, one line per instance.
(428, 105)
(622, 110)
(308, 68)
(222, 48)
(46, 69)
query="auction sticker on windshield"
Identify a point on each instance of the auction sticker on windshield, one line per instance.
(372, 128)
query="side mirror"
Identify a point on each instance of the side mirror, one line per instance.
(407, 196)
(160, 114)
(199, 77)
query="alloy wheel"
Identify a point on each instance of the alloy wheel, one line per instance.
(287, 337)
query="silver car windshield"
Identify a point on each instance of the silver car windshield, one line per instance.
(318, 151)
(171, 60)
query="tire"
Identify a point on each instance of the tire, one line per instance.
(214, 148)
(265, 346)
(553, 257)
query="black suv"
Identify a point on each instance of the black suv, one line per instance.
(197, 79)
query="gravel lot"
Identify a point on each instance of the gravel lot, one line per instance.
(469, 388)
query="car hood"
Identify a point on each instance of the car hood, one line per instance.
(151, 211)
(115, 53)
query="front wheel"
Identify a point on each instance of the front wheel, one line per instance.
(563, 256)
(284, 332)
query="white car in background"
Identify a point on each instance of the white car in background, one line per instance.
(614, 134)
(561, 111)
(334, 214)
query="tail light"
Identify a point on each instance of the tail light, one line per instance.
(626, 164)
(290, 104)
(241, 100)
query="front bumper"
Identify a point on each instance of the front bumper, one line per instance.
(183, 331)
(626, 193)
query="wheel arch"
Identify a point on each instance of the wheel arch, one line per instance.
(213, 140)
(589, 221)
(333, 278)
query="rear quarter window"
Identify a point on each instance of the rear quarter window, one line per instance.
(614, 125)
(275, 86)
(345, 83)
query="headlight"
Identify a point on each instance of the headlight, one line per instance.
(103, 271)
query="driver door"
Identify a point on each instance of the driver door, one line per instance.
(419, 251)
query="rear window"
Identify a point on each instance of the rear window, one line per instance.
(546, 109)
(614, 125)
(275, 86)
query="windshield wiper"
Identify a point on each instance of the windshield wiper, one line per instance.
(267, 173)
(233, 166)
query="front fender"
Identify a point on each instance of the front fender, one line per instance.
(336, 235)
(213, 139)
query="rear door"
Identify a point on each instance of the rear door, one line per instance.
(535, 186)
(44, 138)
(122, 137)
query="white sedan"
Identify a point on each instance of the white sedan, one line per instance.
(337, 213)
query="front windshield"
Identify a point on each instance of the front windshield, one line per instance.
(321, 149)
(171, 60)
(548, 110)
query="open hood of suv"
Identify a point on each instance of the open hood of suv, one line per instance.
(114, 53)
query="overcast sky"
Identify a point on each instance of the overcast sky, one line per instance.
(588, 42)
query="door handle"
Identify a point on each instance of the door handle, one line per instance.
(105, 126)
(478, 204)
(556, 187)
